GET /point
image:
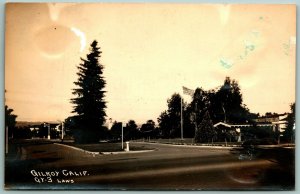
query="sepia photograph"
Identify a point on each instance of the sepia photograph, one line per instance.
(150, 96)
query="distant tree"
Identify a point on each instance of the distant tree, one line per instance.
(164, 123)
(89, 104)
(43, 131)
(188, 121)
(289, 132)
(105, 133)
(148, 129)
(22, 132)
(69, 125)
(205, 131)
(131, 131)
(254, 132)
(269, 114)
(200, 104)
(170, 120)
(174, 112)
(10, 120)
(229, 105)
(224, 104)
(148, 126)
(116, 131)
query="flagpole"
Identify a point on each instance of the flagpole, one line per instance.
(181, 120)
(6, 140)
(122, 135)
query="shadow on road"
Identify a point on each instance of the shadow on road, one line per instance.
(281, 175)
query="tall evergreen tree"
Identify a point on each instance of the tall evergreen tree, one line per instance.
(205, 132)
(89, 104)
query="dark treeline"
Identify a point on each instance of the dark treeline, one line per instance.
(209, 107)
(219, 105)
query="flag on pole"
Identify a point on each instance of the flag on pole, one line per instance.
(188, 91)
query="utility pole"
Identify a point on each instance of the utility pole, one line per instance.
(122, 135)
(62, 131)
(181, 119)
(195, 118)
(6, 140)
(49, 131)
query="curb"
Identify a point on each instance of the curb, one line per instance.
(78, 149)
(102, 153)
(217, 147)
(193, 146)
(124, 152)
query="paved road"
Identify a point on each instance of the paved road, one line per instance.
(166, 167)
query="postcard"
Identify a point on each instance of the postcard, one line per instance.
(150, 96)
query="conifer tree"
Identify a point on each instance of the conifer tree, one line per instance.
(89, 103)
(205, 132)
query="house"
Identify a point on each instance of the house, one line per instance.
(277, 122)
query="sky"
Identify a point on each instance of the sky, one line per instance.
(149, 51)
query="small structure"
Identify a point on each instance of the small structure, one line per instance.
(277, 122)
(225, 129)
(127, 146)
(235, 129)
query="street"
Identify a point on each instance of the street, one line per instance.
(165, 167)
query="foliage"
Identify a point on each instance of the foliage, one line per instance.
(223, 105)
(289, 132)
(205, 131)
(188, 122)
(10, 121)
(225, 134)
(170, 120)
(10, 118)
(89, 104)
(201, 103)
(255, 132)
(22, 133)
(148, 129)
(164, 123)
(131, 131)
(228, 104)
(116, 131)
(69, 125)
